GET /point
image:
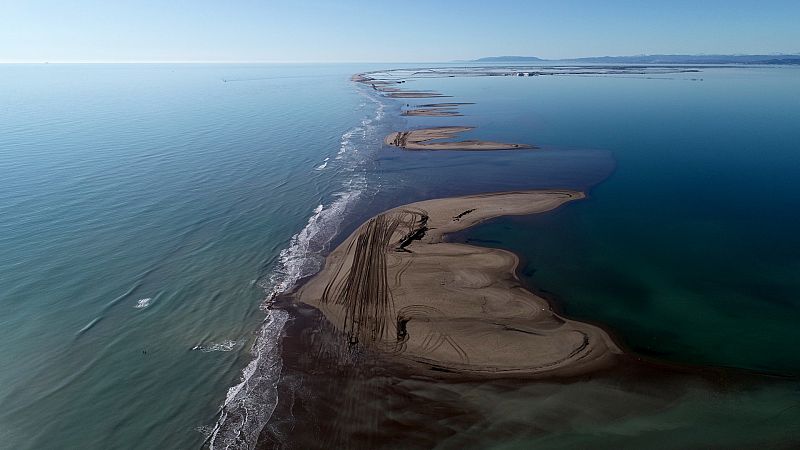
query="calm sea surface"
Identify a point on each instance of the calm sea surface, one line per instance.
(143, 212)
(147, 212)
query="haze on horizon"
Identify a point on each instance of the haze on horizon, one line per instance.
(379, 31)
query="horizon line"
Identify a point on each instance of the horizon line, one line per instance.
(146, 61)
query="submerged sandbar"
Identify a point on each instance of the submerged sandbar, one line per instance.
(396, 286)
(420, 140)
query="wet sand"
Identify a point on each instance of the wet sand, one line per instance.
(394, 285)
(420, 140)
(333, 395)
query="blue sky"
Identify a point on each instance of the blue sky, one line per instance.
(384, 31)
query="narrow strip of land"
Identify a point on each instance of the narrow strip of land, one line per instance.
(431, 112)
(422, 140)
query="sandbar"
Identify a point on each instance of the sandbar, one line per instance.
(448, 308)
(431, 112)
(420, 140)
(444, 105)
(415, 94)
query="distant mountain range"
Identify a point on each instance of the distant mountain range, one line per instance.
(508, 59)
(658, 59)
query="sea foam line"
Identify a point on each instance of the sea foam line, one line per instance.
(249, 405)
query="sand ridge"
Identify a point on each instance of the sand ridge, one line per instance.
(420, 140)
(432, 112)
(394, 285)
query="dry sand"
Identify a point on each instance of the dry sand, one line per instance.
(431, 112)
(443, 105)
(415, 94)
(394, 285)
(434, 110)
(420, 140)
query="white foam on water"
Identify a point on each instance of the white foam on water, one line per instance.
(143, 303)
(323, 165)
(249, 405)
(224, 346)
(303, 255)
(346, 144)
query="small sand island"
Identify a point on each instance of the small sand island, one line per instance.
(451, 308)
(432, 112)
(420, 140)
(412, 94)
(435, 110)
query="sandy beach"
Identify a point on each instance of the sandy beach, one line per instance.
(420, 140)
(395, 285)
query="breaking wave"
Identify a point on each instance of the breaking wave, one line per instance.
(323, 165)
(224, 346)
(250, 404)
(143, 303)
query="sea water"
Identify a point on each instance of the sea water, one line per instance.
(150, 212)
(147, 213)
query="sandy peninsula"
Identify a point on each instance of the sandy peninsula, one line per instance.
(415, 94)
(435, 110)
(450, 308)
(444, 105)
(432, 112)
(421, 140)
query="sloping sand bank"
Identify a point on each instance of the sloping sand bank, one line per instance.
(420, 140)
(396, 286)
(415, 94)
(431, 112)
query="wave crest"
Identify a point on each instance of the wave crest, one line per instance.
(250, 404)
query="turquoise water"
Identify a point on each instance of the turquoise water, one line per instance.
(144, 210)
(149, 211)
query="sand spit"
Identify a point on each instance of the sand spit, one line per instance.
(420, 140)
(444, 105)
(394, 285)
(415, 94)
(431, 112)
(435, 110)
(360, 78)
